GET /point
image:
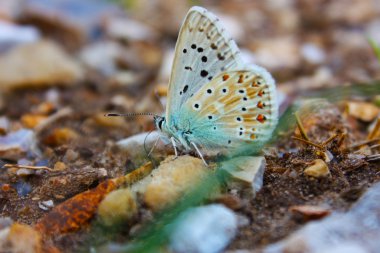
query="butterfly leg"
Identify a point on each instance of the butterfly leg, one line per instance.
(154, 146)
(199, 153)
(174, 146)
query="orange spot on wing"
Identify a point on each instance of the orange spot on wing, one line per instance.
(261, 118)
(260, 105)
(225, 77)
(261, 93)
(252, 136)
(241, 77)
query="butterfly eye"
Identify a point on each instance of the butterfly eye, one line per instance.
(160, 124)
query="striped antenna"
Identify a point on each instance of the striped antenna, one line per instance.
(132, 114)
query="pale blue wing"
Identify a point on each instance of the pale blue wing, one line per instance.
(203, 51)
(234, 112)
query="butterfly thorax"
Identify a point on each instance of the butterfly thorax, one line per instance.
(179, 133)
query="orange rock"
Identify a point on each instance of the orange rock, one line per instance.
(23, 238)
(75, 213)
(61, 136)
(32, 120)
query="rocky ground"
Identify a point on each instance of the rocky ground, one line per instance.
(73, 180)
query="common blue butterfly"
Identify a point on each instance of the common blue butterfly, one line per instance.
(215, 101)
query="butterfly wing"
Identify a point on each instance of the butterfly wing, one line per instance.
(236, 111)
(203, 50)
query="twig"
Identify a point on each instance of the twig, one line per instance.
(308, 142)
(30, 167)
(360, 144)
(301, 128)
(375, 131)
(55, 116)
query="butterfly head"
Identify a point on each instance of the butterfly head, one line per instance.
(159, 121)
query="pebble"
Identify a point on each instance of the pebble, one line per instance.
(20, 238)
(5, 222)
(118, 206)
(59, 166)
(309, 212)
(137, 31)
(200, 230)
(46, 205)
(4, 125)
(70, 155)
(180, 174)
(15, 145)
(24, 172)
(317, 169)
(134, 145)
(363, 110)
(356, 231)
(51, 66)
(313, 53)
(245, 172)
(13, 35)
(61, 136)
(23, 188)
(32, 120)
(101, 56)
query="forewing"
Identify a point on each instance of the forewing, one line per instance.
(235, 109)
(203, 51)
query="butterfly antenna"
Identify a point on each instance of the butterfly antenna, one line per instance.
(132, 114)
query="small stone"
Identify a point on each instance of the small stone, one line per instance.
(170, 181)
(133, 146)
(313, 54)
(282, 52)
(45, 108)
(206, 229)
(46, 205)
(4, 125)
(51, 66)
(115, 28)
(32, 120)
(245, 172)
(102, 172)
(317, 169)
(59, 166)
(70, 156)
(5, 222)
(25, 172)
(310, 212)
(362, 110)
(118, 206)
(61, 136)
(15, 145)
(20, 238)
(6, 187)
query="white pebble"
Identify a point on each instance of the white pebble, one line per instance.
(312, 53)
(206, 229)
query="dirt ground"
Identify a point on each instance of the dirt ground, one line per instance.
(79, 147)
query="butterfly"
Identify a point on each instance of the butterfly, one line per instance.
(215, 101)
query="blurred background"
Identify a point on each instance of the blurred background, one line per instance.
(304, 44)
(65, 63)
